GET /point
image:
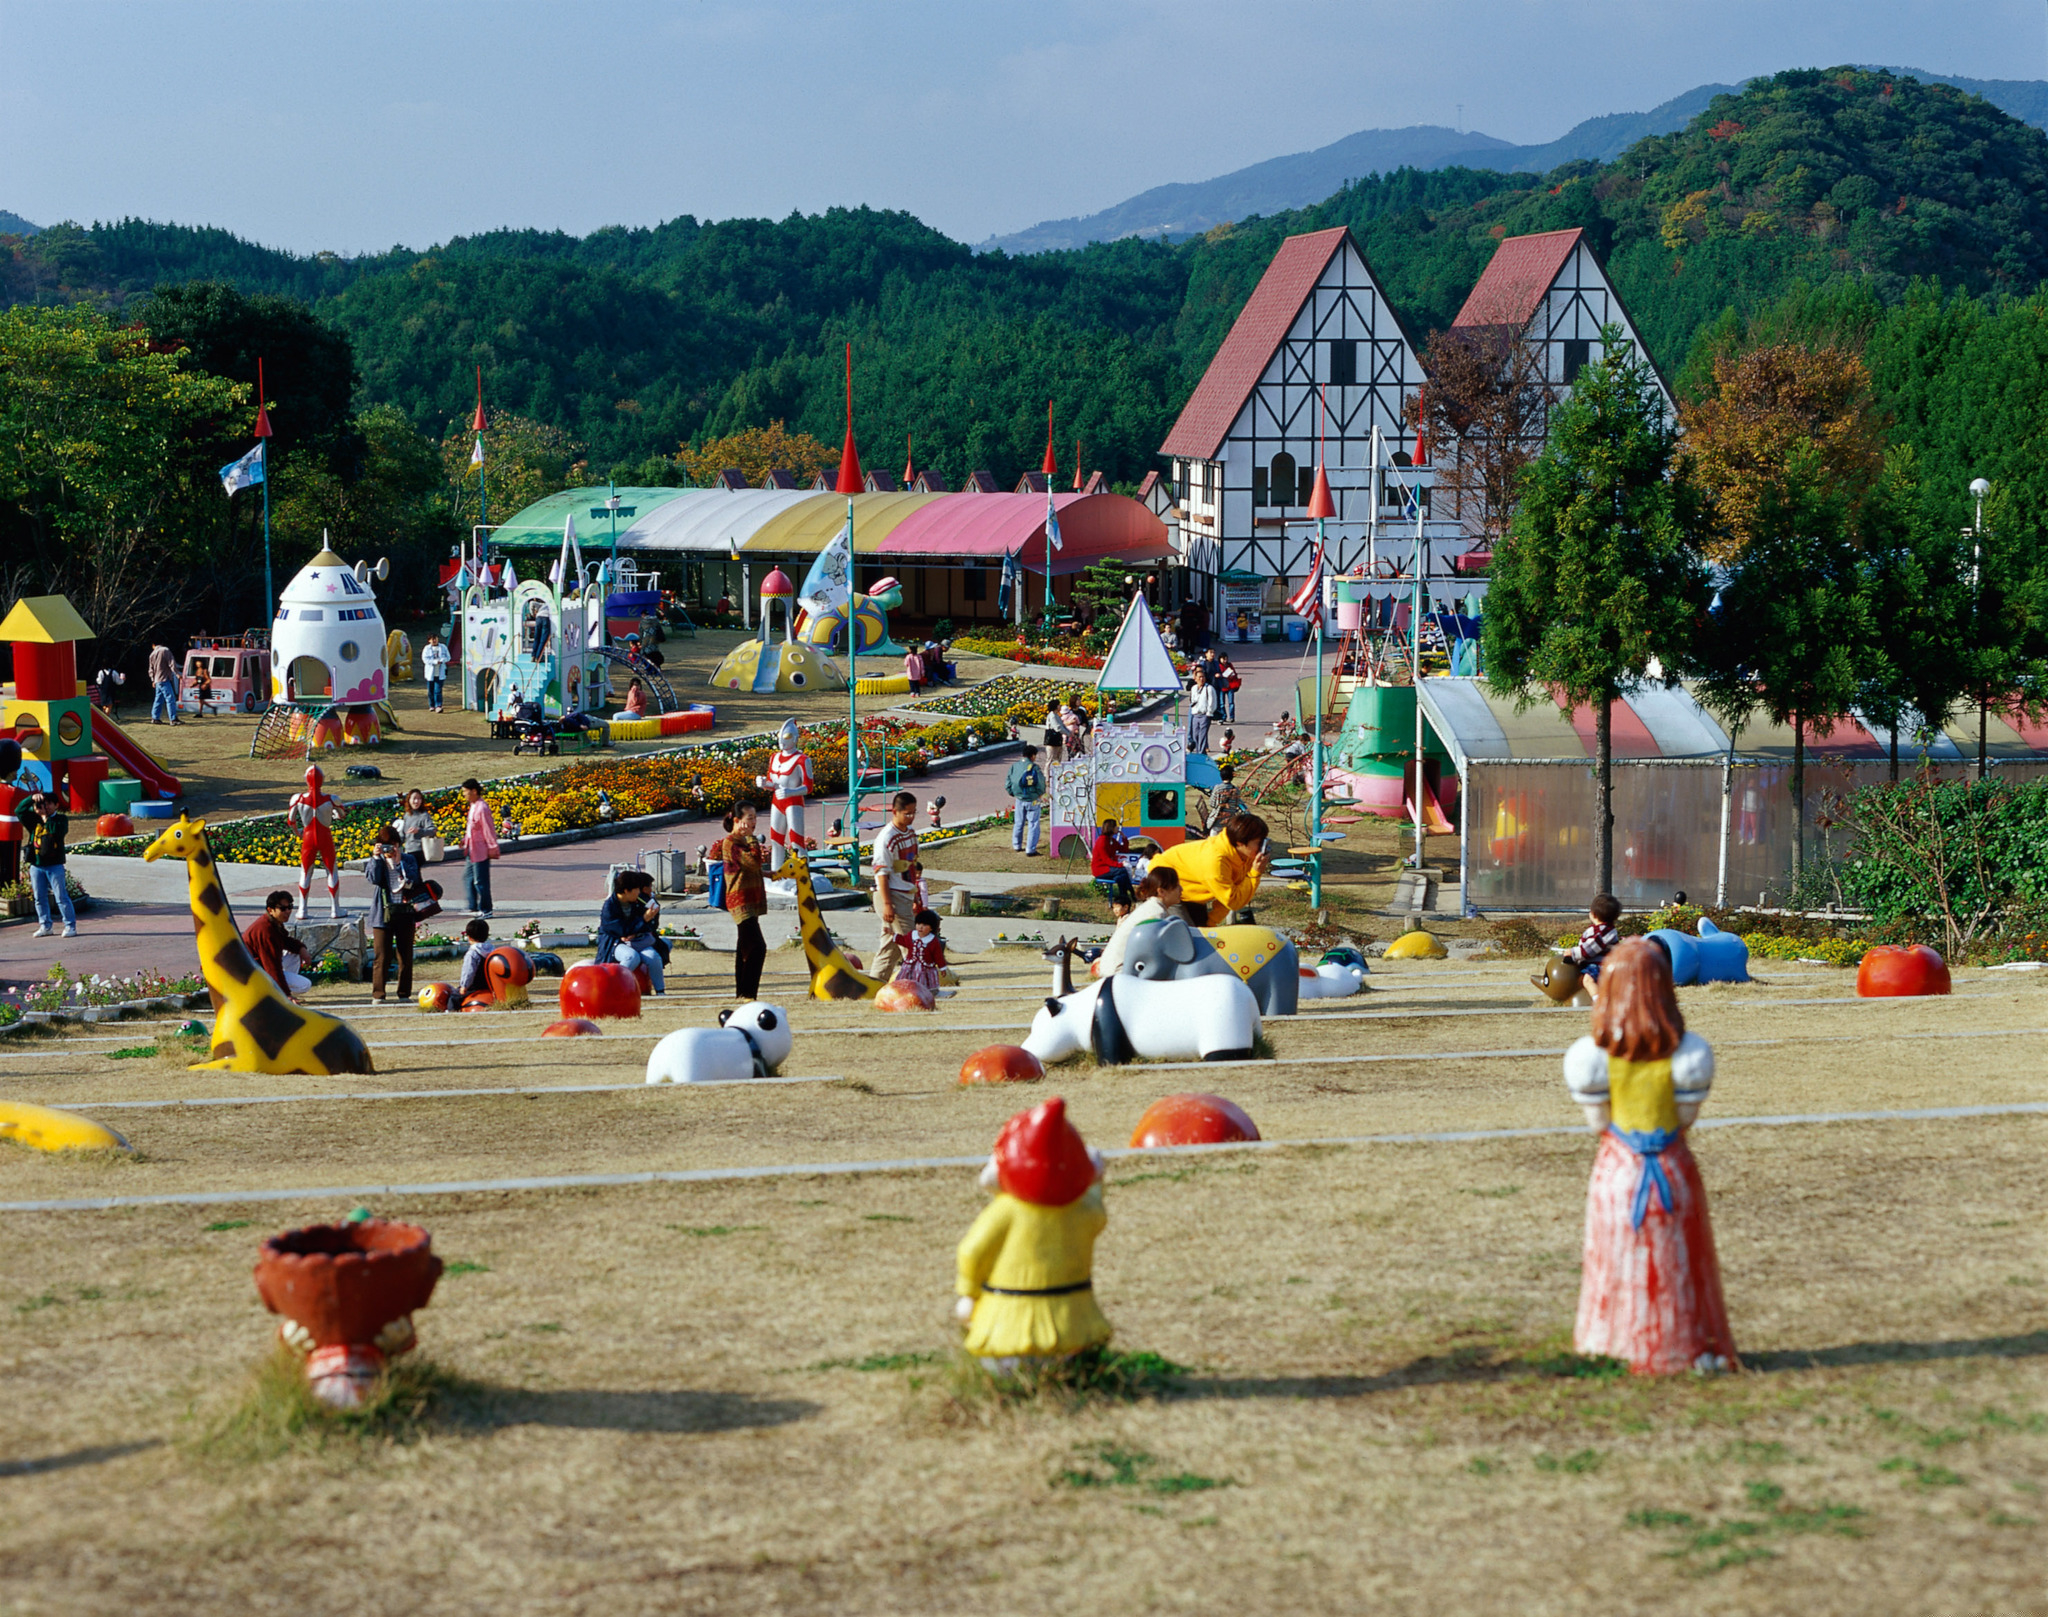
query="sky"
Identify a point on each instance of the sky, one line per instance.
(362, 125)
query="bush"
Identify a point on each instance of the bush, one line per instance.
(1966, 854)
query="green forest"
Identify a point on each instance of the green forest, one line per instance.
(1911, 219)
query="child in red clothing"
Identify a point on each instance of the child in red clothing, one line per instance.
(924, 953)
(1599, 936)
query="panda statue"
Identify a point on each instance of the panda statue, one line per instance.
(751, 1041)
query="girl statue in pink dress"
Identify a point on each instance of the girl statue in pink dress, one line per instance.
(1651, 1286)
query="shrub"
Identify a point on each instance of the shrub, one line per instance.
(1968, 854)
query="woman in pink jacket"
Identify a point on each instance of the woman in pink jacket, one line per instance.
(480, 842)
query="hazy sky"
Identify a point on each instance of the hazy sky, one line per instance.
(351, 126)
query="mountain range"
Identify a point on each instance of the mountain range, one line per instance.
(1175, 212)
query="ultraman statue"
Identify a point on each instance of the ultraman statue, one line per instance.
(788, 782)
(312, 814)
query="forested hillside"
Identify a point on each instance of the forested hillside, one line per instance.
(633, 340)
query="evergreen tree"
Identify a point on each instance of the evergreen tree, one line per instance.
(1599, 583)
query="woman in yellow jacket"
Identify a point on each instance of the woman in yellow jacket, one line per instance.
(1221, 873)
(1027, 1289)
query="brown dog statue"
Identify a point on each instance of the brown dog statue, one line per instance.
(1562, 984)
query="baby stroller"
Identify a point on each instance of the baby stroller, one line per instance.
(533, 731)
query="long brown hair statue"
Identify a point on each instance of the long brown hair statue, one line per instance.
(1637, 1015)
(1650, 1288)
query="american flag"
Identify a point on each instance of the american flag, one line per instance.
(1309, 596)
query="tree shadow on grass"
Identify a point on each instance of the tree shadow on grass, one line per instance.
(77, 1457)
(1479, 1365)
(606, 1410)
(2030, 1345)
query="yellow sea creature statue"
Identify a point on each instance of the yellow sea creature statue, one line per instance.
(1416, 946)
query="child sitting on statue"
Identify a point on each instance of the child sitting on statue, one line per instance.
(475, 974)
(1599, 936)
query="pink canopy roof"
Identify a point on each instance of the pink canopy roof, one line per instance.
(1092, 527)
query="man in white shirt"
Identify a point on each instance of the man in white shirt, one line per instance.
(434, 666)
(895, 884)
(1201, 709)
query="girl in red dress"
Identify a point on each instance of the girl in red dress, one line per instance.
(1651, 1286)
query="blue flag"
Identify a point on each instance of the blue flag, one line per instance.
(244, 473)
(1006, 584)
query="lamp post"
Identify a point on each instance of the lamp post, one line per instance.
(1979, 487)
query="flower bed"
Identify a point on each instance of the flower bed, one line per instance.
(996, 697)
(59, 991)
(1057, 654)
(705, 779)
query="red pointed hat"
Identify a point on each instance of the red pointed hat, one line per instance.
(314, 779)
(1041, 1159)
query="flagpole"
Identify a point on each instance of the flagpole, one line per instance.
(852, 697)
(263, 434)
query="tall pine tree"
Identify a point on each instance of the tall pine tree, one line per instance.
(1599, 584)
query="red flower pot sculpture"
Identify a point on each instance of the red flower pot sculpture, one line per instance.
(570, 1027)
(1192, 1120)
(1889, 972)
(1002, 1064)
(115, 825)
(347, 1293)
(595, 991)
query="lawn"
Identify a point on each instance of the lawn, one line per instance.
(738, 1395)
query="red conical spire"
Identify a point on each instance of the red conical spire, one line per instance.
(909, 463)
(1077, 465)
(1422, 426)
(478, 424)
(1052, 465)
(1319, 502)
(262, 415)
(850, 480)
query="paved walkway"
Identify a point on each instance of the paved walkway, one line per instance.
(141, 921)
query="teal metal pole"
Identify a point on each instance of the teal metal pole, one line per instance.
(852, 716)
(1315, 811)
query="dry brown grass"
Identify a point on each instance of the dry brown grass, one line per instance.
(735, 1396)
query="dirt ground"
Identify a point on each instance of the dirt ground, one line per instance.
(735, 1396)
(210, 755)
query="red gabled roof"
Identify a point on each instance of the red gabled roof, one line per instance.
(1254, 339)
(1520, 273)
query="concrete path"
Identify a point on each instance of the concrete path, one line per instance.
(141, 922)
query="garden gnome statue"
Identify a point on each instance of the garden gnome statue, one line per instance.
(312, 814)
(1027, 1265)
(788, 782)
(1650, 1288)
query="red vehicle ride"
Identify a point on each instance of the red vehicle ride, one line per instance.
(235, 670)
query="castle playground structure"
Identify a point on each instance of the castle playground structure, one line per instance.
(568, 639)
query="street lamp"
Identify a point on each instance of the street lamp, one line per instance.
(1979, 487)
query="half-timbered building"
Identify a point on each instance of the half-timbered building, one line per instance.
(1317, 328)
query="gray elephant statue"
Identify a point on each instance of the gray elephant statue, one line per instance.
(1268, 964)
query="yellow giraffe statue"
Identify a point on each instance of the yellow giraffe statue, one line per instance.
(832, 974)
(256, 1028)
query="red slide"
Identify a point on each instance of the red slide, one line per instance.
(109, 738)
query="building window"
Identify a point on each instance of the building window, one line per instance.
(974, 584)
(1258, 485)
(1306, 483)
(1578, 351)
(1344, 364)
(1283, 477)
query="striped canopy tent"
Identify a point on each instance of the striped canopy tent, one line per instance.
(974, 529)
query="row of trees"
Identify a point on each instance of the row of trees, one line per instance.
(1778, 545)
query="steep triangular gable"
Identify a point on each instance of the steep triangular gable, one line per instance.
(1554, 290)
(1254, 338)
(1138, 659)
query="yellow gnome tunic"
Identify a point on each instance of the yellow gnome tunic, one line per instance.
(1029, 1270)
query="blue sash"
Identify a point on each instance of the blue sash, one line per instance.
(1649, 1145)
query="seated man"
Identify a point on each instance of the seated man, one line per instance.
(270, 942)
(626, 927)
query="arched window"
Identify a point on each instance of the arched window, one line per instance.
(1283, 478)
(309, 678)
